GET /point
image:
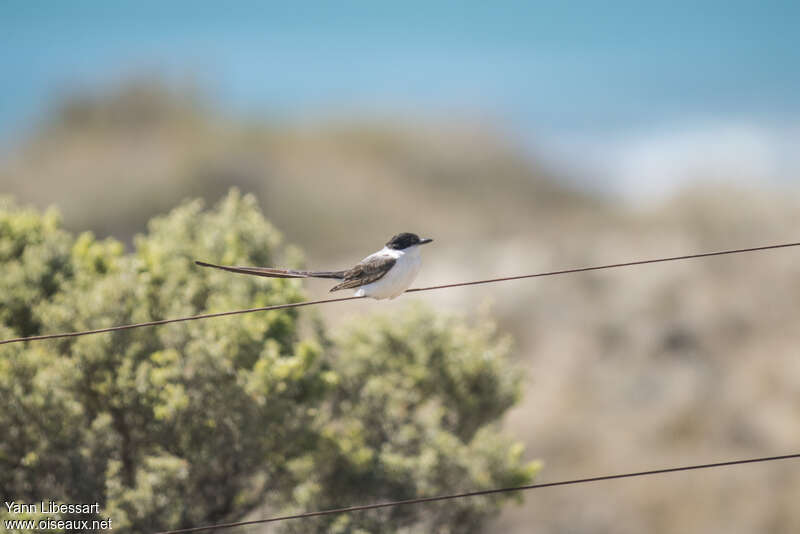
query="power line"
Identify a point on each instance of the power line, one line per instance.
(176, 320)
(430, 288)
(609, 266)
(482, 492)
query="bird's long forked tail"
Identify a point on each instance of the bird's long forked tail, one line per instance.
(269, 272)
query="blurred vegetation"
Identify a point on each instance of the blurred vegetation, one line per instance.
(202, 422)
(99, 157)
(635, 368)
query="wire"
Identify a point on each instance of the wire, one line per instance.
(430, 288)
(482, 492)
(609, 266)
(176, 320)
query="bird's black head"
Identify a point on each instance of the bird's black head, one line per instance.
(405, 240)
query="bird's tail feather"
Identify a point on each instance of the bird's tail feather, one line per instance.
(276, 273)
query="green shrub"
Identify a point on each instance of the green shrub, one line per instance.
(200, 422)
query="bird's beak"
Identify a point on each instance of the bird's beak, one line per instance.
(426, 240)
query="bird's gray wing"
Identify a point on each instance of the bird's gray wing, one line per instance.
(369, 270)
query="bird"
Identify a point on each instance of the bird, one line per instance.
(381, 275)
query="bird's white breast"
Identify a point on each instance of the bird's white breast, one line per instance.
(399, 277)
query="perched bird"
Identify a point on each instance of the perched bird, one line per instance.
(384, 274)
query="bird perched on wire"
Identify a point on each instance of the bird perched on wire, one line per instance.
(384, 274)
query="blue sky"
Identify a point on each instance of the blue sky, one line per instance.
(557, 71)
